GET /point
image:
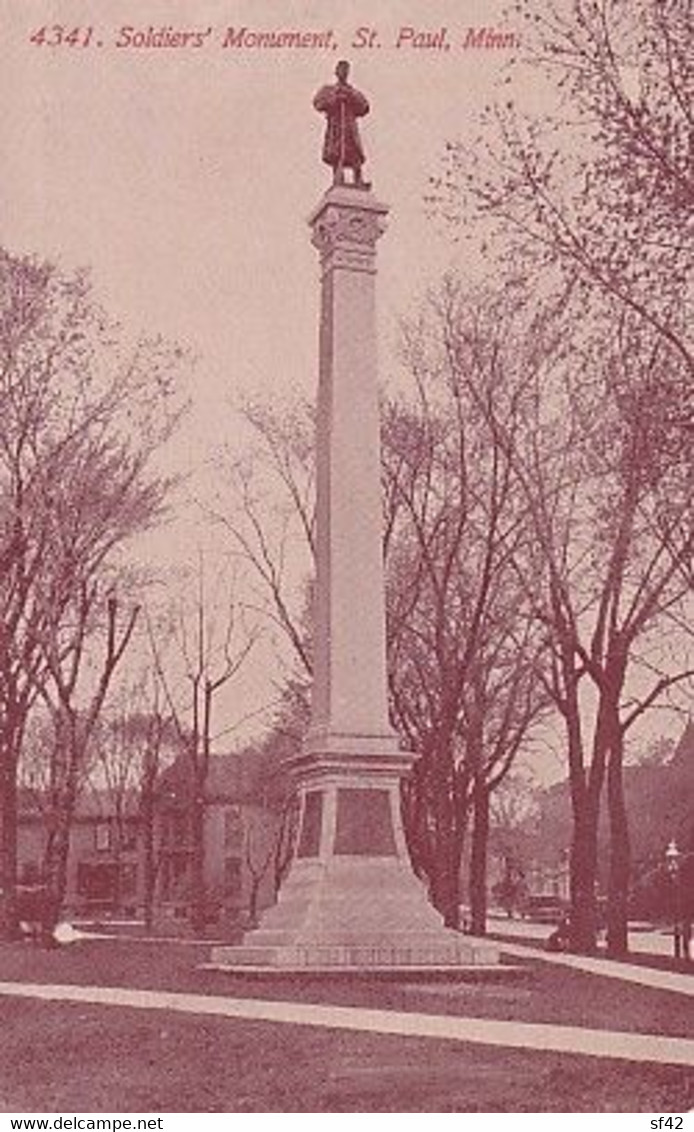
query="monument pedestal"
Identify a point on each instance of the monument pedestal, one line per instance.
(351, 898)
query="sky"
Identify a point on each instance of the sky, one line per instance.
(183, 178)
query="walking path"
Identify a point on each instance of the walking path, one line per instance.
(518, 1035)
(628, 972)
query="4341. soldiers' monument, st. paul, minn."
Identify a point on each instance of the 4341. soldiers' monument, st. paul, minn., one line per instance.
(351, 899)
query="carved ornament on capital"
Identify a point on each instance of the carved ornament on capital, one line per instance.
(347, 229)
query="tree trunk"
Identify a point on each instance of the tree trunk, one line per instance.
(446, 864)
(414, 815)
(55, 862)
(584, 863)
(149, 870)
(478, 860)
(117, 831)
(253, 898)
(445, 878)
(197, 866)
(56, 858)
(586, 790)
(618, 895)
(446, 894)
(9, 927)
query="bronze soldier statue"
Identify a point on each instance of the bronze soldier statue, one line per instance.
(342, 104)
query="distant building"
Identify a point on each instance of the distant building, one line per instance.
(103, 862)
(550, 880)
(659, 797)
(241, 831)
(106, 861)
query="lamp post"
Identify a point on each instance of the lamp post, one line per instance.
(672, 861)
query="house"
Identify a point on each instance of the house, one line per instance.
(244, 837)
(108, 860)
(103, 866)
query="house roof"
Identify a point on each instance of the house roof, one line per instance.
(92, 805)
(240, 777)
(251, 776)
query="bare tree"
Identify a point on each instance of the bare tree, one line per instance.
(464, 648)
(132, 749)
(598, 190)
(505, 705)
(592, 207)
(71, 662)
(209, 660)
(268, 512)
(270, 856)
(83, 414)
(453, 530)
(613, 522)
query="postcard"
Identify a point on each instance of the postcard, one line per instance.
(281, 282)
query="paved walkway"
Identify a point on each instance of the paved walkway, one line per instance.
(628, 972)
(517, 1035)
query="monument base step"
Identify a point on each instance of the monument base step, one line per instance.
(361, 913)
(407, 973)
(365, 955)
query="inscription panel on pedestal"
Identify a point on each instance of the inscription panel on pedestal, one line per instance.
(364, 826)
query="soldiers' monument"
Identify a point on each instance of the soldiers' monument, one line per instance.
(351, 898)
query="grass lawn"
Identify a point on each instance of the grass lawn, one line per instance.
(540, 993)
(70, 1057)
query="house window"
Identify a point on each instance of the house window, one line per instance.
(29, 873)
(102, 837)
(232, 876)
(129, 836)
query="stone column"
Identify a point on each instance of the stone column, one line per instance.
(351, 898)
(349, 704)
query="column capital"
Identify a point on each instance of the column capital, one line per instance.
(345, 227)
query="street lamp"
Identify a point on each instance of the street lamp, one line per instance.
(672, 858)
(672, 861)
